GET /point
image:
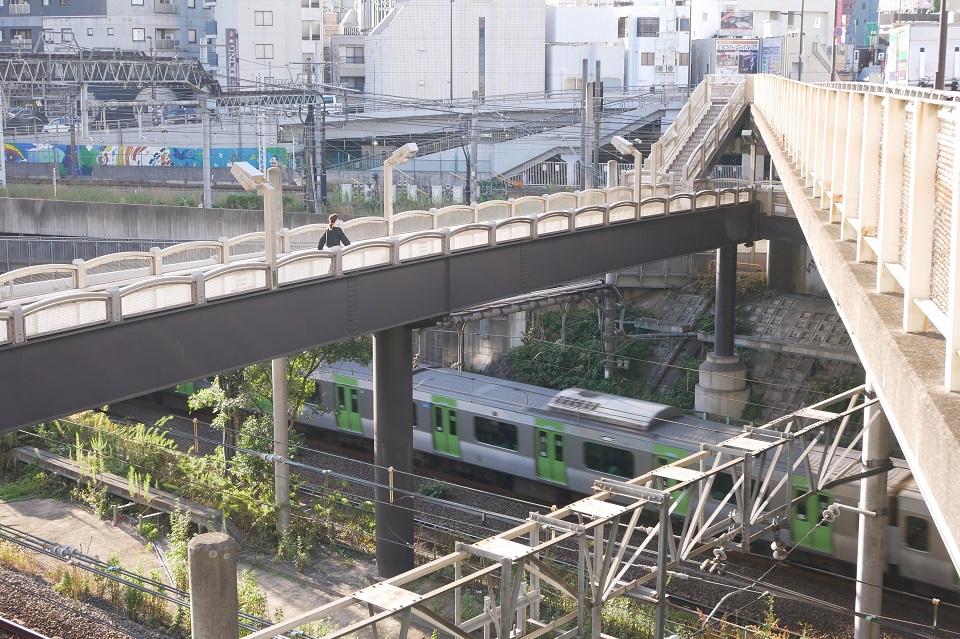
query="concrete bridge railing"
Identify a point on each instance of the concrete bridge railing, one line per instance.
(134, 292)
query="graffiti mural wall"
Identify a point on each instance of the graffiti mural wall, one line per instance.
(89, 156)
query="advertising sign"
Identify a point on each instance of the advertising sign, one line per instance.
(233, 59)
(736, 21)
(737, 56)
(770, 56)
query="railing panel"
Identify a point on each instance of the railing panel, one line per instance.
(454, 216)
(467, 237)
(652, 208)
(412, 221)
(305, 237)
(493, 210)
(364, 228)
(514, 229)
(561, 201)
(620, 194)
(421, 246)
(367, 255)
(680, 203)
(592, 197)
(234, 280)
(37, 280)
(75, 310)
(589, 216)
(622, 212)
(6, 327)
(157, 296)
(707, 200)
(529, 205)
(555, 222)
(246, 246)
(296, 268)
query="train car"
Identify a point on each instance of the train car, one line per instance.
(554, 445)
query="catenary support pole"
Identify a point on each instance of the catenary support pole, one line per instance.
(663, 551)
(584, 120)
(281, 448)
(393, 448)
(589, 143)
(212, 562)
(3, 156)
(209, 106)
(872, 531)
(474, 137)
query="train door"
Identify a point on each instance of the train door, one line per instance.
(446, 426)
(664, 455)
(807, 513)
(551, 451)
(348, 404)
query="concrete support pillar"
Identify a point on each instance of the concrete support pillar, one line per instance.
(872, 531)
(723, 379)
(393, 448)
(786, 266)
(609, 329)
(212, 561)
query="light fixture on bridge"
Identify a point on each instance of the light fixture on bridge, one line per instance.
(401, 156)
(269, 185)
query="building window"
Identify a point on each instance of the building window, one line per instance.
(139, 35)
(648, 27)
(46, 3)
(89, 31)
(353, 55)
(647, 59)
(64, 3)
(109, 31)
(684, 59)
(192, 36)
(138, 3)
(263, 51)
(607, 459)
(918, 537)
(622, 27)
(263, 19)
(191, 4)
(66, 35)
(494, 433)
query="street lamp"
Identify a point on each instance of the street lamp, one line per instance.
(401, 156)
(625, 147)
(270, 186)
(451, 50)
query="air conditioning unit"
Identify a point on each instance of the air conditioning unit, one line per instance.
(670, 68)
(660, 68)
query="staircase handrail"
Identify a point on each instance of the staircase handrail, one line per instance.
(676, 135)
(716, 133)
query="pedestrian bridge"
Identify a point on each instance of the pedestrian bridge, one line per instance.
(871, 174)
(81, 335)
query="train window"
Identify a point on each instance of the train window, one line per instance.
(453, 423)
(542, 440)
(494, 433)
(558, 447)
(607, 459)
(438, 418)
(918, 537)
(722, 484)
(414, 414)
(802, 504)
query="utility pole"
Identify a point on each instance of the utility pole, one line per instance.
(803, 11)
(583, 129)
(323, 155)
(474, 135)
(597, 116)
(942, 51)
(310, 149)
(589, 143)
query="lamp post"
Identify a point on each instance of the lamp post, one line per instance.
(400, 156)
(803, 7)
(271, 187)
(625, 147)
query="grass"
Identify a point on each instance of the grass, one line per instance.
(31, 484)
(17, 558)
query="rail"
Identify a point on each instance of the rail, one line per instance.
(43, 300)
(697, 162)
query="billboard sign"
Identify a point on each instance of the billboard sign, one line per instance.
(233, 59)
(736, 21)
(770, 56)
(737, 56)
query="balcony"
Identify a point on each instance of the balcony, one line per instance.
(166, 7)
(167, 44)
(19, 8)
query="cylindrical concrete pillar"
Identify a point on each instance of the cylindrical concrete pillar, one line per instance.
(872, 531)
(212, 561)
(726, 302)
(393, 448)
(281, 443)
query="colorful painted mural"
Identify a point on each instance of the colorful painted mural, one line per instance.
(91, 156)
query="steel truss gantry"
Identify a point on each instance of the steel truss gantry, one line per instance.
(24, 71)
(624, 535)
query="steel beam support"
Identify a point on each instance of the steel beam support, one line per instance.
(393, 448)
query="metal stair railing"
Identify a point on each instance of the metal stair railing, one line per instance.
(696, 163)
(677, 134)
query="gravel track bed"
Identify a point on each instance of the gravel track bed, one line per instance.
(30, 602)
(700, 586)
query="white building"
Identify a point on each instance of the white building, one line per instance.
(575, 34)
(913, 52)
(438, 49)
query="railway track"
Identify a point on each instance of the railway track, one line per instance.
(478, 513)
(10, 629)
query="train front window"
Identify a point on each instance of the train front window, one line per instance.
(607, 459)
(495, 433)
(918, 534)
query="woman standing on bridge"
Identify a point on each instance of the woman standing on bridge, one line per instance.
(334, 235)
